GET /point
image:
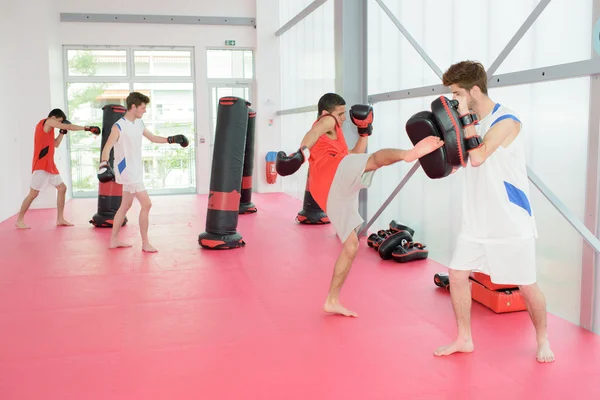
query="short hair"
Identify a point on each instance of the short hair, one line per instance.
(329, 101)
(137, 98)
(466, 74)
(58, 113)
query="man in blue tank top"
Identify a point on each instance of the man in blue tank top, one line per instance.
(498, 230)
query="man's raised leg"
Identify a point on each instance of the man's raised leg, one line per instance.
(126, 202)
(145, 204)
(340, 272)
(460, 292)
(536, 306)
(384, 157)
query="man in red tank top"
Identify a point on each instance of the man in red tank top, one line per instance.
(337, 175)
(43, 167)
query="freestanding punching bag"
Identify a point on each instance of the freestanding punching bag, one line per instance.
(246, 205)
(110, 193)
(226, 177)
(311, 213)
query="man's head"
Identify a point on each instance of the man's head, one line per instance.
(334, 104)
(468, 79)
(57, 114)
(136, 104)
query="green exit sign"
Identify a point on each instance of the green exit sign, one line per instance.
(230, 43)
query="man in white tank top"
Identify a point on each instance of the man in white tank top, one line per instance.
(498, 227)
(126, 137)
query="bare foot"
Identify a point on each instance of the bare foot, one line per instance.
(21, 225)
(148, 248)
(114, 244)
(424, 147)
(458, 346)
(335, 307)
(63, 222)
(544, 354)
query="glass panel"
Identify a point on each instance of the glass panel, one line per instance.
(85, 108)
(97, 62)
(229, 64)
(163, 63)
(169, 168)
(308, 61)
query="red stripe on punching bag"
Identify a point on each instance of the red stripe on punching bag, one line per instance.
(221, 201)
(111, 188)
(246, 182)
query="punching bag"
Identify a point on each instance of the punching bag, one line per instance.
(246, 205)
(311, 213)
(109, 193)
(226, 176)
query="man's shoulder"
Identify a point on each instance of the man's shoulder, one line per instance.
(502, 112)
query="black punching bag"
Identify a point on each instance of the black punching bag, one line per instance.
(110, 193)
(246, 205)
(311, 213)
(226, 176)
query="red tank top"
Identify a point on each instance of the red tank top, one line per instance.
(325, 156)
(43, 150)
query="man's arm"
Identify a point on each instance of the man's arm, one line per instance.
(110, 142)
(492, 140)
(67, 126)
(153, 138)
(360, 146)
(322, 126)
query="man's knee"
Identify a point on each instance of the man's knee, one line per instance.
(33, 193)
(373, 163)
(351, 245)
(62, 188)
(458, 276)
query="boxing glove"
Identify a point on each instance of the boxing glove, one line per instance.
(64, 131)
(94, 129)
(181, 139)
(287, 165)
(362, 116)
(105, 172)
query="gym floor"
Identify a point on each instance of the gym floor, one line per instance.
(78, 321)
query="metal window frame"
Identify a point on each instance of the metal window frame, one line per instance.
(130, 79)
(591, 245)
(300, 16)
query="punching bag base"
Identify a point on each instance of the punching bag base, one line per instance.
(312, 218)
(104, 221)
(247, 208)
(214, 241)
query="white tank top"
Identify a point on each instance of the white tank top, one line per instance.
(128, 152)
(496, 202)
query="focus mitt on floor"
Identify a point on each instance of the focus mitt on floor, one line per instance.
(444, 122)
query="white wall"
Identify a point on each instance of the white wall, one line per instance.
(555, 114)
(200, 37)
(307, 72)
(30, 26)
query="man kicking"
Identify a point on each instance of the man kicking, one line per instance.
(498, 226)
(337, 175)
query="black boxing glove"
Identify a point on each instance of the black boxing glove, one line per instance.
(287, 165)
(105, 172)
(362, 116)
(181, 139)
(64, 131)
(94, 129)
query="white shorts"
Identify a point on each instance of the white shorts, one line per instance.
(134, 187)
(342, 201)
(510, 261)
(39, 180)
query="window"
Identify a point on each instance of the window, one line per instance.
(96, 77)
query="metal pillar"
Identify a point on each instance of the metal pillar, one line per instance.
(350, 27)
